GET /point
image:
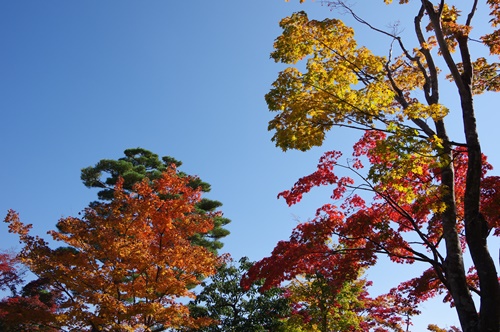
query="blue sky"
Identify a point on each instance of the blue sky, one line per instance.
(83, 80)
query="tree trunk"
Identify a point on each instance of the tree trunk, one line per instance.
(476, 227)
(454, 269)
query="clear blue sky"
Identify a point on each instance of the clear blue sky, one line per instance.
(83, 80)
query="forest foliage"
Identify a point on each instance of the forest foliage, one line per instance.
(406, 191)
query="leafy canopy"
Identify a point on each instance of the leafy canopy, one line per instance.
(139, 164)
(322, 304)
(234, 308)
(29, 307)
(129, 260)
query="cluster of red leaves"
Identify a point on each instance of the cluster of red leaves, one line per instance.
(324, 175)
(9, 274)
(419, 289)
(31, 310)
(308, 252)
(490, 203)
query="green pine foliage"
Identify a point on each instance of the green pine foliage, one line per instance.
(236, 309)
(139, 164)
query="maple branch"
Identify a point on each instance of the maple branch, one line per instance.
(435, 18)
(360, 187)
(401, 211)
(430, 87)
(475, 290)
(402, 100)
(383, 249)
(425, 127)
(343, 5)
(392, 35)
(475, 40)
(422, 258)
(54, 327)
(431, 98)
(441, 7)
(356, 70)
(421, 123)
(399, 93)
(59, 286)
(471, 14)
(366, 126)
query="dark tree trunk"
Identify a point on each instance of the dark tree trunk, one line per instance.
(454, 269)
(476, 228)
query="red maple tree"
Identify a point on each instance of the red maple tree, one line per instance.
(432, 197)
(402, 221)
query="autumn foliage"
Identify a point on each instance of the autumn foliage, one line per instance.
(320, 303)
(29, 307)
(362, 231)
(9, 272)
(430, 196)
(127, 261)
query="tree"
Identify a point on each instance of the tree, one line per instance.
(233, 308)
(319, 304)
(139, 164)
(128, 261)
(30, 310)
(10, 275)
(432, 198)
